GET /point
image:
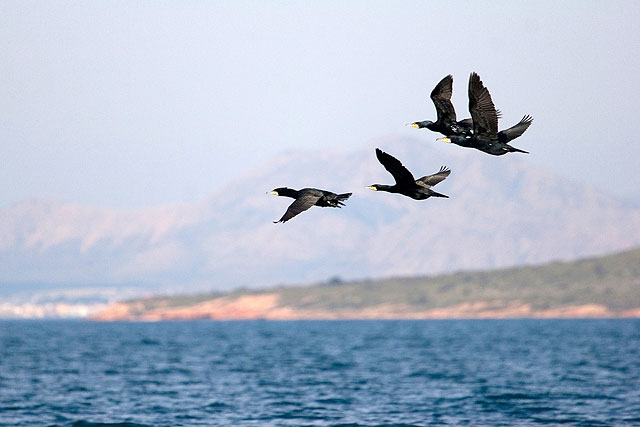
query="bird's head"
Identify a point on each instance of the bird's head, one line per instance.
(463, 141)
(420, 125)
(278, 191)
(373, 187)
(284, 191)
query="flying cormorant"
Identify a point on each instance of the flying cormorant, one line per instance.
(306, 198)
(485, 124)
(446, 123)
(406, 184)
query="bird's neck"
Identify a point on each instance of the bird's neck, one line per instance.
(429, 125)
(387, 188)
(288, 192)
(462, 141)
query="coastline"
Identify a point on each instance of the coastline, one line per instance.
(269, 307)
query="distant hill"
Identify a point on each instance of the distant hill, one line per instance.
(502, 211)
(606, 286)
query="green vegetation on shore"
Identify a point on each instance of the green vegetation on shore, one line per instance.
(612, 281)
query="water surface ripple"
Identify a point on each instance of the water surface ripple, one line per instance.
(333, 373)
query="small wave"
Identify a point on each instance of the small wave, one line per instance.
(76, 389)
(85, 423)
(21, 407)
(217, 406)
(159, 409)
(539, 409)
(301, 415)
(435, 375)
(578, 421)
(516, 396)
(334, 401)
(285, 403)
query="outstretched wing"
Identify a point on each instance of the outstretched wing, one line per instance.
(441, 97)
(431, 180)
(516, 130)
(395, 168)
(483, 111)
(301, 204)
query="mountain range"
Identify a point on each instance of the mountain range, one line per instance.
(502, 211)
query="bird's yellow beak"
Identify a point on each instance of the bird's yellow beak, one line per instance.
(444, 139)
(413, 125)
(371, 187)
(275, 193)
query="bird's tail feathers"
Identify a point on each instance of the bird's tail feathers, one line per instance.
(340, 198)
(514, 149)
(436, 194)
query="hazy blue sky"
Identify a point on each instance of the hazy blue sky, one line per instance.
(124, 103)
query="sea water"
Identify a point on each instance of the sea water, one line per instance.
(334, 373)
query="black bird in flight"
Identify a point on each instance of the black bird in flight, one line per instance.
(446, 123)
(484, 115)
(306, 198)
(406, 184)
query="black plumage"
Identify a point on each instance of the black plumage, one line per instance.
(485, 117)
(446, 122)
(306, 198)
(406, 184)
(516, 130)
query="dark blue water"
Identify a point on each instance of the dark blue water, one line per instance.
(352, 373)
